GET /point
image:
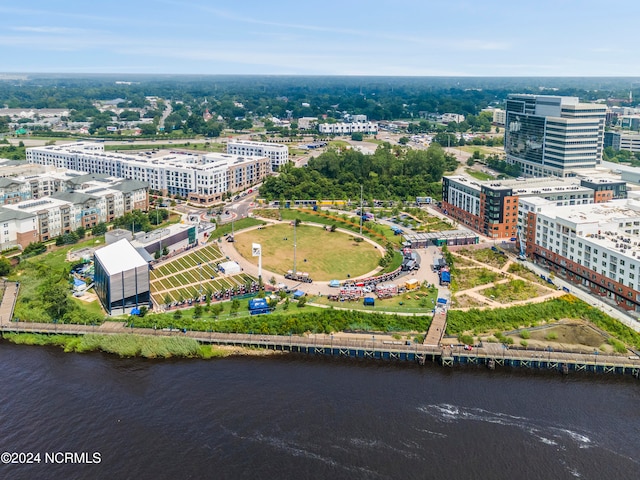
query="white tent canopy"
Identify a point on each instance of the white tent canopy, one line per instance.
(229, 268)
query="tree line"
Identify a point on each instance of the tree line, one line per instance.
(389, 174)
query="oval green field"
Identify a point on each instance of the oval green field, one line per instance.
(329, 255)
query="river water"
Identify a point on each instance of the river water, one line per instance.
(300, 417)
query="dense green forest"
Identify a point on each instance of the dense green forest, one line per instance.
(381, 98)
(390, 173)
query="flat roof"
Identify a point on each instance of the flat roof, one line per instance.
(526, 185)
(439, 235)
(119, 257)
(175, 158)
(147, 238)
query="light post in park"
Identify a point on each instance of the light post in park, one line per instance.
(256, 251)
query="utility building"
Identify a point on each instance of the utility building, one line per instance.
(121, 278)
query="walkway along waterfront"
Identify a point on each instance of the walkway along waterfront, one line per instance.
(345, 345)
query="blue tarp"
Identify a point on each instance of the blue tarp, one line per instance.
(445, 277)
(370, 301)
(442, 301)
(135, 311)
(334, 283)
(78, 283)
(258, 303)
(298, 294)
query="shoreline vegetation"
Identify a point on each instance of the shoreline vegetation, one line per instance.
(142, 346)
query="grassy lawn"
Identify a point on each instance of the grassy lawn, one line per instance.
(222, 230)
(418, 301)
(422, 221)
(377, 233)
(462, 261)
(513, 291)
(474, 277)
(211, 321)
(524, 272)
(481, 148)
(33, 272)
(479, 175)
(339, 143)
(485, 255)
(328, 255)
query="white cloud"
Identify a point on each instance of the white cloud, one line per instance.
(50, 29)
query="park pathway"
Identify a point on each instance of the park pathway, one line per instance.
(8, 301)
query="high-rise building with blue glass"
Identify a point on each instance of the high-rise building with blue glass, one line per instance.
(553, 136)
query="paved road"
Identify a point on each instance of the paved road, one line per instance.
(614, 312)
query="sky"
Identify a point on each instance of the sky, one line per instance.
(322, 37)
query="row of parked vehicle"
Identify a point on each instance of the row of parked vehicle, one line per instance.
(219, 295)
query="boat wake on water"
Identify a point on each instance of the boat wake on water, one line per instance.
(547, 434)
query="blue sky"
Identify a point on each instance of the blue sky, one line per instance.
(323, 37)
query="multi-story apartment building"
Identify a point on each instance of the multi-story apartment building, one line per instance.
(491, 207)
(279, 154)
(203, 179)
(594, 245)
(553, 136)
(93, 200)
(348, 128)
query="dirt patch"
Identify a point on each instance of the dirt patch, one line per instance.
(568, 335)
(465, 301)
(574, 333)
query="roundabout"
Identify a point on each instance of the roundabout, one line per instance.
(325, 255)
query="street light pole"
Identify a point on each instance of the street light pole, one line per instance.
(361, 211)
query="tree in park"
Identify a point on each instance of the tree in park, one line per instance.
(55, 298)
(99, 229)
(5, 266)
(235, 306)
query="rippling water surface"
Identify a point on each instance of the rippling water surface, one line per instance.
(303, 418)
